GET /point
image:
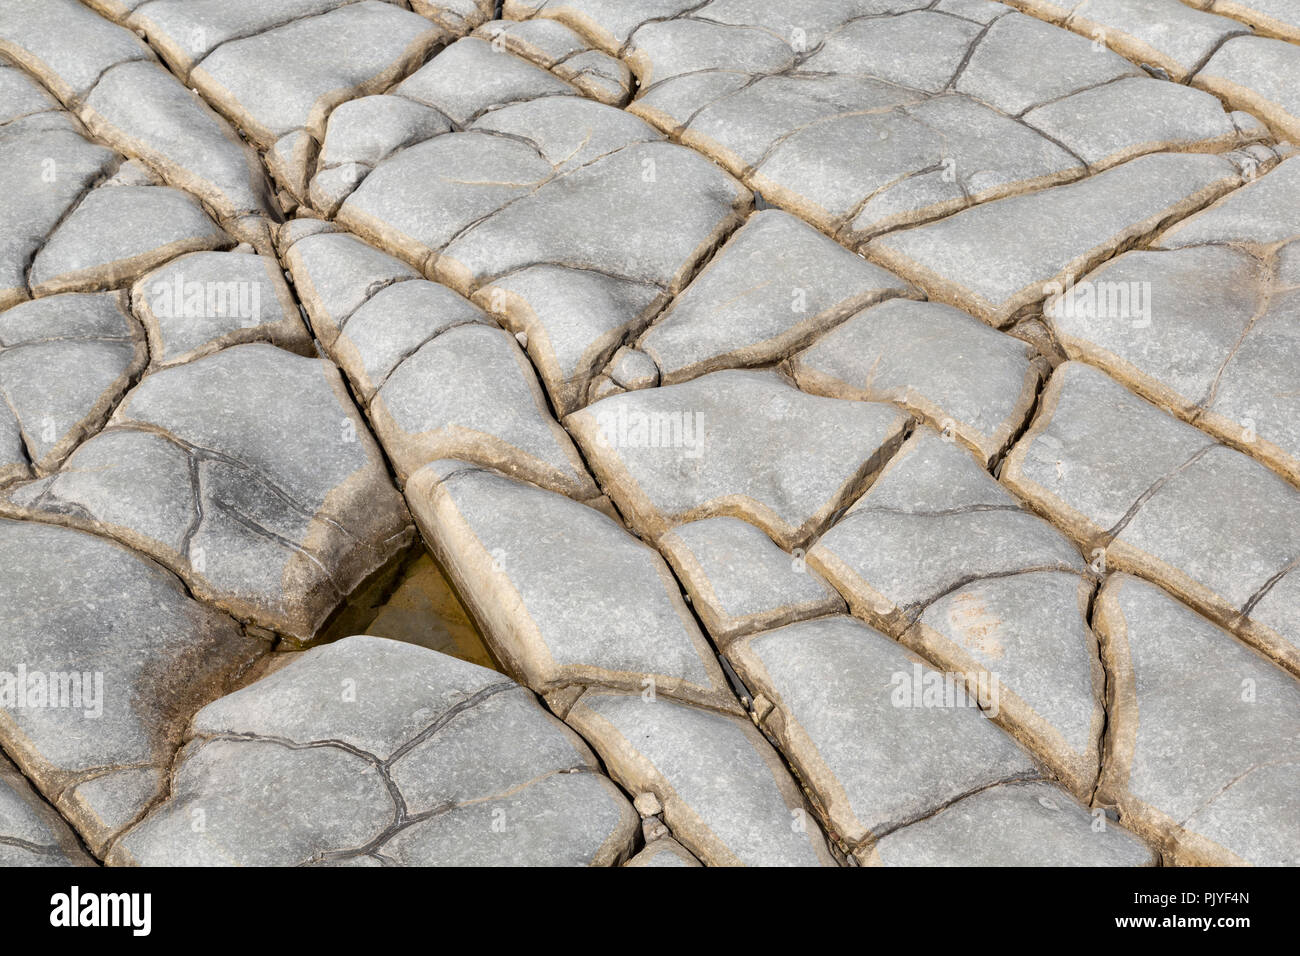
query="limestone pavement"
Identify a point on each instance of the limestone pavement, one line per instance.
(863, 433)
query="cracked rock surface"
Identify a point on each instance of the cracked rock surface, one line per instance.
(859, 433)
(403, 754)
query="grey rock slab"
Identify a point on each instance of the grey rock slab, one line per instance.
(544, 42)
(473, 75)
(145, 656)
(1021, 62)
(848, 712)
(247, 798)
(817, 22)
(400, 752)
(920, 50)
(334, 274)
(425, 196)
(139, 109)
(1023, 641)
(608, 22)
(455, 16)
(21, 96)
(206, 301)
(574, 320)
(392, 325)
(1252, 73)
(947, 368)
(736, 442)
(740, 581)
(248, 472)
(565, 596)
(65, 362)
(367, 693)
(1016, 824)
(328, 188)
(738, 119)
(488, 750)
(1076, 465)
(568, 131)
(662, 49)
(185, 31)
(563, 819)
(1219, 532)
(46, 167)
(1169, 35)
(1131, 116)
(31, 833)
(290, 160)
(67, 46)
(370, 129)
(726, 795)
(362, 133)
(1275, 608)
(554, 46)
(1163, 499)
(775, 285)
(1004, 256)
(292, 76)
(116, 234)
(597, 75)
(1258, 216)
(1276, 18)
(14, 462)
(932, 521)
(1252, 407)
(664, 852)
(1164, 323)
(649, 213)
(1205, 734)
(469, 392)
(1207, 329)
(861, 173)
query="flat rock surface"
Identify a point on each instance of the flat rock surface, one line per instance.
(741, 581)
(1016, 824)
(723, 789)
(65, 362)
(998, 258)
(1165, 501)
(32, 834)
(388, 753)
(137, 656)
(1213, 774)
(866, 430)
(775, 284)
(849, 745)
(710, 447)
(200, 303)
(567, 595)
(936, 361)
(265, 490)
(1219, 279)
